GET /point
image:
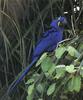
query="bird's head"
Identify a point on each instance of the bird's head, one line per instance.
(59, 23)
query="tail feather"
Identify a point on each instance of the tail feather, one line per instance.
(16, 82)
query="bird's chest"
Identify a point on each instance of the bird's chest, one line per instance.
(55, 38)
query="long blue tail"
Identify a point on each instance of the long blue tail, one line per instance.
(16, 82)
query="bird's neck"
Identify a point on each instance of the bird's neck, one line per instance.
(58, 29)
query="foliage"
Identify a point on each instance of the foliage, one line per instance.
(58, 80)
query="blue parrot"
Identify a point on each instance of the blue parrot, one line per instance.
(47, 43)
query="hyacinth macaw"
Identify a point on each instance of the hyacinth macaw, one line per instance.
(47, 43)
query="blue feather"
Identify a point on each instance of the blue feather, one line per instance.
(47, 43)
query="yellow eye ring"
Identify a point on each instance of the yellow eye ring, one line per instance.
(58, 23)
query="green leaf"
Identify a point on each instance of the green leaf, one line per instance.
(41, 59)
(29, 97)
(47, 74)
(77, 83)
(59, 52)
(80, 47)
(70, 69)
(46, 64)
(30, 89)
(30, 81)
(40, 88)
(74, 84)
(71, 84)
(60, 71)
(73, 52)
(35, 76)
(52, 69)
(51, 89)
(81, 71)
